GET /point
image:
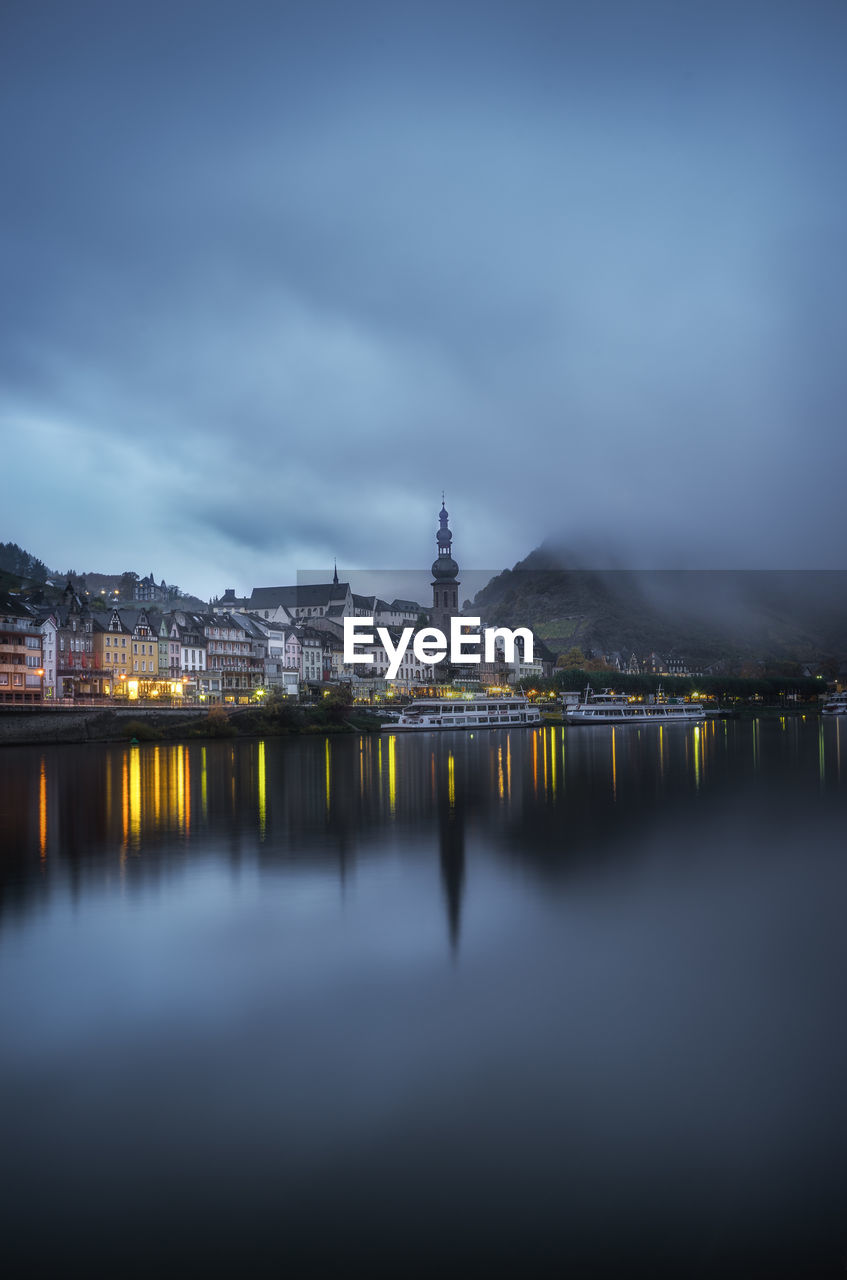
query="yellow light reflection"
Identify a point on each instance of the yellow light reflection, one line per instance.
(614, 768)
(42, 810)
(135, 796)
(392, 773)
(156, 782)
(328, 774)
(125, 804)
(172, 780)
(535, 761)
(500, 787)
(187, 791)
(180, 788)
(261, 772)
(662, 752)
(697, 745)
(451, 779)
(553, 762)
(203, 793)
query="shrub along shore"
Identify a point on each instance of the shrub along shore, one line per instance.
(36, 725)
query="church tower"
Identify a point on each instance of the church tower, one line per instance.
(445, 576)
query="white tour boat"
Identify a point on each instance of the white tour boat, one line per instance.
(461, 713)
(611, 708)
(836, 705)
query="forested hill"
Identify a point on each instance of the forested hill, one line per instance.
(20, 571)
(704, 615)
(22, 564)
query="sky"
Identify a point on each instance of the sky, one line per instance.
(274, 275)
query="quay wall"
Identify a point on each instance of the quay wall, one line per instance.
(20, 726)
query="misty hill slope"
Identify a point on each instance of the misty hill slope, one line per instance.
(704, 615)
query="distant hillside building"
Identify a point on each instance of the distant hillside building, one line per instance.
(146, 589)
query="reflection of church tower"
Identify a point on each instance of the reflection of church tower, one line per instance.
(445, 575)
(451, 839)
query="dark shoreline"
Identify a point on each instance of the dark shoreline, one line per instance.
(56, 726)
(38, 726)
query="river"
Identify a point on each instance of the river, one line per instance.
(528, 999)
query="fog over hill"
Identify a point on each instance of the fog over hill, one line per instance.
(706, 615)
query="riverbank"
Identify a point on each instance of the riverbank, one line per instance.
(27, 726)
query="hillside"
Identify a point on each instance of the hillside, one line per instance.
(20, 571)
(706, 616)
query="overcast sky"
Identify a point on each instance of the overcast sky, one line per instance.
(273, 275)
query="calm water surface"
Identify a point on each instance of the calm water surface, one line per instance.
(539, 998)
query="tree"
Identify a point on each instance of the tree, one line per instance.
(572, 659)
(20, 563)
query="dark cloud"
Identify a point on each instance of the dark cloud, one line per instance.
(281, 273)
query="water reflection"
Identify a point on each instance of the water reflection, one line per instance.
(451, 844)
(532, 793)
(600, 969)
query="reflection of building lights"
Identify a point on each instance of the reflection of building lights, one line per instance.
(42, 810)
(329, 774)
(262, 809)
(392, 773)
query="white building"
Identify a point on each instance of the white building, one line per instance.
(48, 655)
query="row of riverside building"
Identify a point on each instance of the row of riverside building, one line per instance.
(280, 640)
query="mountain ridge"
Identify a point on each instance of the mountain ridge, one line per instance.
(706, 615)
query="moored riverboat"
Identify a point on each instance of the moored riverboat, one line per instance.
(836, 705)
(610, 708)
(461, 713)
